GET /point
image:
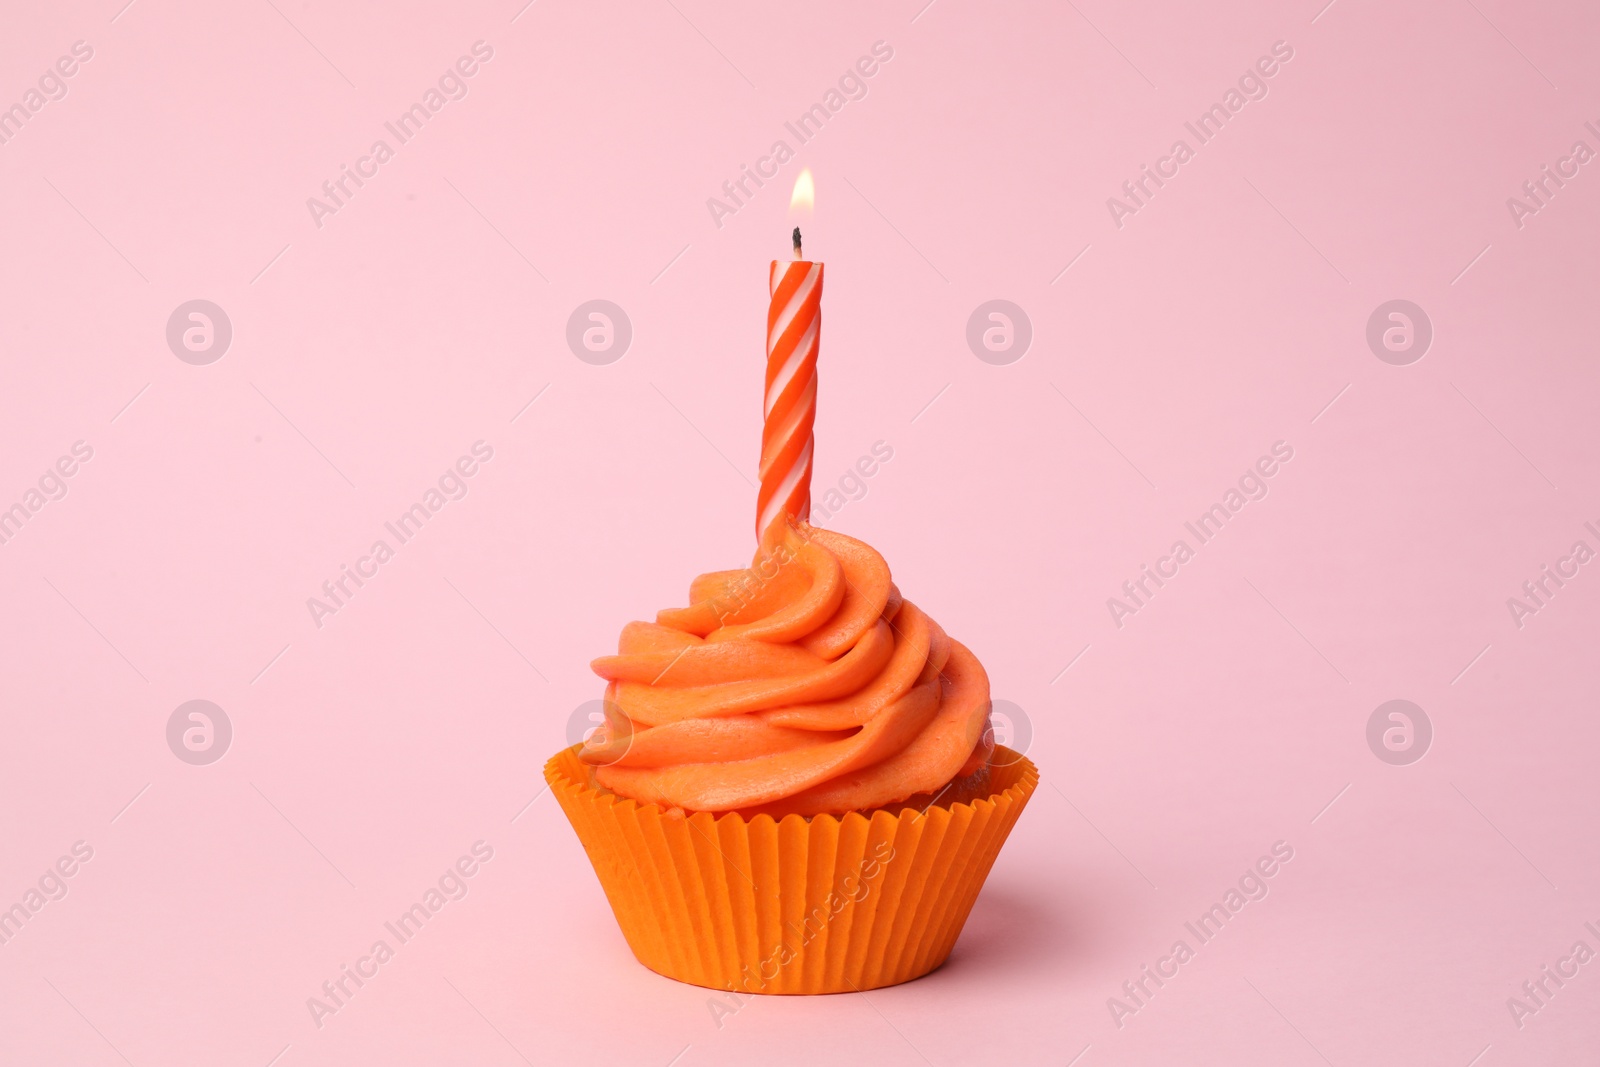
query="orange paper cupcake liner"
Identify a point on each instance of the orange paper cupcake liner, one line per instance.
(820, 905)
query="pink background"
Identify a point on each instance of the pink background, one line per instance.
(368, 354)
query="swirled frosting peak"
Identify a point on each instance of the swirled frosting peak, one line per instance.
(804, 683)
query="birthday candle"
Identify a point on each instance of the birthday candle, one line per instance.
(794, 323)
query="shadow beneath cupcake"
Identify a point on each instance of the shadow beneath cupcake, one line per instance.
(1015, 929)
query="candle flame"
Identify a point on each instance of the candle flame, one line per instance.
(805, 193)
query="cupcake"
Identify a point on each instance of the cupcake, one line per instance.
(796, 789)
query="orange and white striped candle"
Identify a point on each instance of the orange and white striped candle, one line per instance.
(794, 323)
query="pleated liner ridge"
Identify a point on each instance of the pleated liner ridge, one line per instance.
(819, 905)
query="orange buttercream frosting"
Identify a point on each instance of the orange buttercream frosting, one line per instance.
(802, 684)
